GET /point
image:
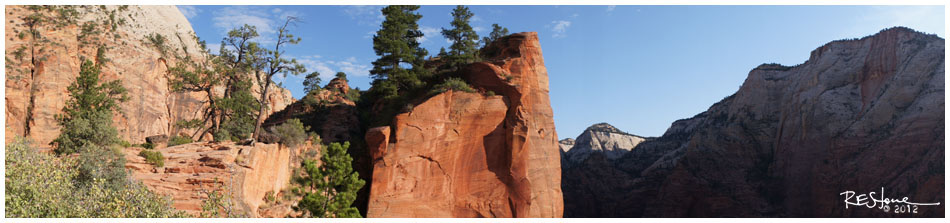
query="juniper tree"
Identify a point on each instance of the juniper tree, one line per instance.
(463, 37)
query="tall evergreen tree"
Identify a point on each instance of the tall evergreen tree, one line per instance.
(311, 82)
(275, 63)
(87, 117)
(190, 76)
(397, 45)
(463, 37)
(238, 55)
(496, 33)
(332, 186)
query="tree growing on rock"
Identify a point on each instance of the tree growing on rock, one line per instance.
(332, 186)
(311, 84)
(464, 39)
(496, 33)
(275, 63)
(87, 117)
(397, 45)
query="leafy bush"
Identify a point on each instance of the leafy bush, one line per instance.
(125, 144)
(453, 83)
(87, 118)
(222, 135)
(178, 140)
(153, 157)
(39, 185)
(291, 133)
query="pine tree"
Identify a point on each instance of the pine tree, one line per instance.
(397, 45)
(331, 186)
(463, 37)
(87, 117)
(341, 76)
(237, 105)
(275, 63)
(311, 84)
(496, 33)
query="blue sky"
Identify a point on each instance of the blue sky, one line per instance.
(637, 67)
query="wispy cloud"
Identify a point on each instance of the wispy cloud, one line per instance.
(189, 11)
(365, 14)
(610, 8)
(266, 21)
(328, 68)
(559, 28)
(428, 33)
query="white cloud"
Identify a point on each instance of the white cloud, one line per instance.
(560, 28)
(213, 47)
(479, 28)
(475, 18)
(328, 68)
(575, 15)
(611, 8)
(365, 14)
(189, 11)
(428, 32)
(232, 17)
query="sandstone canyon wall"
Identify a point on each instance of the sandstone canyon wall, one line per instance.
(42, 67)
(463, 154)
(859, 115)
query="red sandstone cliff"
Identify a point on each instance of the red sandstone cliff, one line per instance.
(39, 69)
(469, 155)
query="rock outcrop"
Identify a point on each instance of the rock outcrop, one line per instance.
(463, 154)
(191, 172)
(859, 115)
(41, 66)
(603, 138)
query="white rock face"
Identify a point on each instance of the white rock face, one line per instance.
(603, 138)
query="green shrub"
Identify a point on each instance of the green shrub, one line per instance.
(221, 135)
(125, 144)
(40, 185)
(490, 93)
(291, 133)
(147, 145)
(453, 83)
(153, 157)
(178, 140)
(269, 197)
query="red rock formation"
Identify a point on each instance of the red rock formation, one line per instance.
(467, 155)
(191, 171)
(38, 77)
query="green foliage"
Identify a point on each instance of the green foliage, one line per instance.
(312, 83)
(463, 37)
(396, 44)
(101, 55)
(496, 33)
(453, 83)
(178, 140)
(87, 118)
(222, 135)
(105, 164)
(19, 53)
(269, 197)
(147, 145)
(353, 95)
(330, 188)
(158, 41)
(189, 124)
(125, 144)
(153, 157)
(39, 185)
(242, 109)
(292, 132)
(218, 204)
(341, 76)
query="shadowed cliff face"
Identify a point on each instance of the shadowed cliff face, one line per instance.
(469, 155)
(47, 64)
(859, 115)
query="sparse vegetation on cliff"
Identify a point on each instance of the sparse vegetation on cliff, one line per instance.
(39, 185)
